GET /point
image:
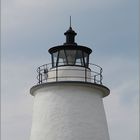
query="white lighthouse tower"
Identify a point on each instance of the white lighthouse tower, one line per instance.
(68, 97)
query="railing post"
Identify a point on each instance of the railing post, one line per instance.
(95, 79)
(56, 74)
(101, 77)
(85, 74)
(40, 77)
(45, 74)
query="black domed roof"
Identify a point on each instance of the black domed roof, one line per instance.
(70, 31)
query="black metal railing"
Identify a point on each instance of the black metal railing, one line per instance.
(94, 77)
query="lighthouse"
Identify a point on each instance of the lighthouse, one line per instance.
(68, 95)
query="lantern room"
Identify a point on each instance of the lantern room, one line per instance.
(70, 54)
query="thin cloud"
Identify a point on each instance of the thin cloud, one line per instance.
(17, 13)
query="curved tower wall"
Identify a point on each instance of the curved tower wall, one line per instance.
(69, 111)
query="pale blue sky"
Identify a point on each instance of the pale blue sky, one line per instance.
(109, 28)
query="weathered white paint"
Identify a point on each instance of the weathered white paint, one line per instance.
(69, 73)
(69, 111)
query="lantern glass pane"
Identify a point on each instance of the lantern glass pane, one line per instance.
(54, 57)
(86, 59)
(70, 56)
(62, 58)
(79, 58)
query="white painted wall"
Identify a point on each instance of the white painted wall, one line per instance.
(69, 112)
(69, 73)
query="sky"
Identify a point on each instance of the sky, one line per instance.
(109, 27)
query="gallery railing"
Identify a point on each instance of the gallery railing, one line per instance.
(95, 73)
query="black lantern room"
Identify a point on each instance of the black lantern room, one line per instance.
(70, 54)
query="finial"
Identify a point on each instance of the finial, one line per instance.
(70, 21)
(70, 35)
